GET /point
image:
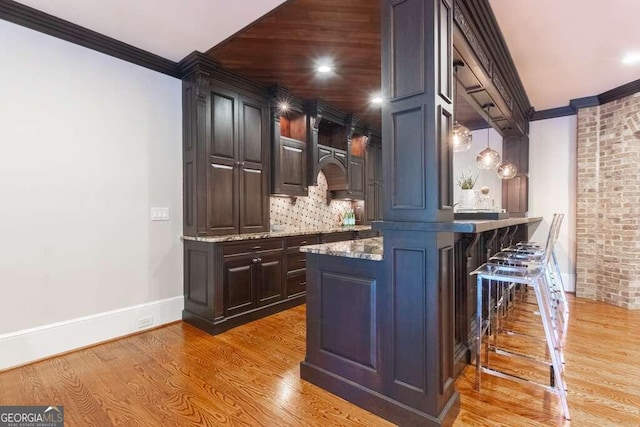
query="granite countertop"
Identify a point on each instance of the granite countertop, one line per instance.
(287, 232)
(370, 249)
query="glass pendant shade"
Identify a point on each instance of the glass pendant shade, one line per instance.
(488, 159)
(461, 138)
(507, 170)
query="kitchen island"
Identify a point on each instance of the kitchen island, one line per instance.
(364, 340)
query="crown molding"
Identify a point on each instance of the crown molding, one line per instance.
(28, 17)
(614, 94)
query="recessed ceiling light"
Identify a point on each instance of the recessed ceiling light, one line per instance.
(631, 58)
(284, 106)
(376, 100)
(324, 68)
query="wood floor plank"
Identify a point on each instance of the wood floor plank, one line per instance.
(249, 376)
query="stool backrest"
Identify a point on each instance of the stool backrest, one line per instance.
(554, 232)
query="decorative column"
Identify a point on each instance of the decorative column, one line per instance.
(418, 286)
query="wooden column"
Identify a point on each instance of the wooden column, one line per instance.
(417, 335)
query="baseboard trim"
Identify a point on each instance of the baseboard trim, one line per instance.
(30, 345)
(569, 282)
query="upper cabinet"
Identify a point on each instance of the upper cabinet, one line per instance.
(356, 170)
(289, 146)
(226, 157)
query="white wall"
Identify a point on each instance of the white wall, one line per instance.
(88, 144)
(552, 185)
(466, 162)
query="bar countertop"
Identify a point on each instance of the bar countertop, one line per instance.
(458, 226)
(373, 248)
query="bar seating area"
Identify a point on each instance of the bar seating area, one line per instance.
(504, 299)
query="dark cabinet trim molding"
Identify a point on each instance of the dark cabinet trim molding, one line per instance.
(36, 20)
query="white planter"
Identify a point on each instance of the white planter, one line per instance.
(467, 199)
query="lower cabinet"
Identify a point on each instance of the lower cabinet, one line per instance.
(227, 284)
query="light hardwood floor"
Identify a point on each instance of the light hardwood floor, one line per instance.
(178, 375)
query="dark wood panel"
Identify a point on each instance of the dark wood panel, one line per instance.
(252, 201)
(296, 283)
(223, 199)
(285, 46)
(198, 294)
(408, 319)
(445, 163)
(515, 195)
(445, 80)
(407, 154)
(252, 132)
(408, 48)
(356, 178)
(356, 308)
(223, 124)
(270, 286)
(239, 286)
(251, 246)
(447, 317)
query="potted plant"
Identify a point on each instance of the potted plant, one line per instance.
(466, 182)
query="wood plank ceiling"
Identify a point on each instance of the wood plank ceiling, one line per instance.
(286, 45)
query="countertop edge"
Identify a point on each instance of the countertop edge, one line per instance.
(273, 234)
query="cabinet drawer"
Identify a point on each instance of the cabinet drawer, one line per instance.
(251, 246)
(296, 261)
(337, 237)
(297, 241)
(296, 283)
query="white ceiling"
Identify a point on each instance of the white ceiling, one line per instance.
(169, 28)
(565, 49)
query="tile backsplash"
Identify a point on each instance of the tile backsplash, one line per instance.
(308, 212)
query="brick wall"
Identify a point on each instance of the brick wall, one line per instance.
(608, 203)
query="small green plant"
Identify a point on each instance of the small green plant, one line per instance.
(467, 181)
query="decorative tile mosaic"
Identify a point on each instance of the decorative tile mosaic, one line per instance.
(308, 212)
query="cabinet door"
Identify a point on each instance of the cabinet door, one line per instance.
(253, 147)
(223, 173)
(515, 195)
(269, 278)
(356, 177)
(292, 167)
(239, 288)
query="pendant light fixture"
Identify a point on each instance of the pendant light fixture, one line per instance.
(507, 170)
(461, 138)
(488, 158)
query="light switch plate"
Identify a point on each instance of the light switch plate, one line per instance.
(159, 214)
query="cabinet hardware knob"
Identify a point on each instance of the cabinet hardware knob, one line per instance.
(259, 259)
(304, 242)
(255, 248)
(303, 283)
(254, 260)
(302, 260)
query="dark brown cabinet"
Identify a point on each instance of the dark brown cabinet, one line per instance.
(515, 191)
(289, 159)
(226, 157)
(230, 283)
(252, 281)
(373, 196)
(238, 196)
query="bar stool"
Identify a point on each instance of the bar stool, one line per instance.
(530, 270)
(522, 254)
